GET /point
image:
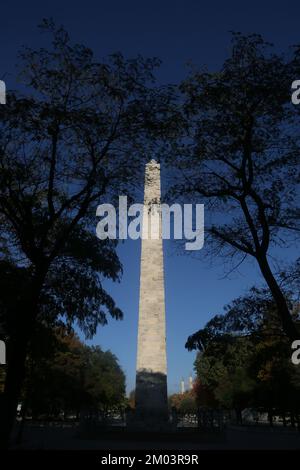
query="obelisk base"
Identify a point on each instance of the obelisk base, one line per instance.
(151, 403)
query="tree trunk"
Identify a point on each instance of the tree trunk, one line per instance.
(288, 324)
(13, 383)
(17, 352)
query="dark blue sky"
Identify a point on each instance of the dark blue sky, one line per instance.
(178, 32)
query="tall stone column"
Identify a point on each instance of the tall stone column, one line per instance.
(151, 375)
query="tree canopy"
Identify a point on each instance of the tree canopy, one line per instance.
(78, 136)
(70, 376)
(238, 151)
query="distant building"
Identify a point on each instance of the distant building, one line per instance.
(182, 386)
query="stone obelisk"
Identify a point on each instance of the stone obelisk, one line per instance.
(151, 375)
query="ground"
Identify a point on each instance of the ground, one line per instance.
(235, 437)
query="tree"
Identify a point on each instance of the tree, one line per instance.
(222, 369)
(131, 399)
(53, 374)
(79, 135)
(244, 358)
(276, 379)
(104, 380)
(184, 403)
(204, 395)
(71, 376)
(239, 152)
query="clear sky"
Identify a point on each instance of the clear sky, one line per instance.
(178, 32)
